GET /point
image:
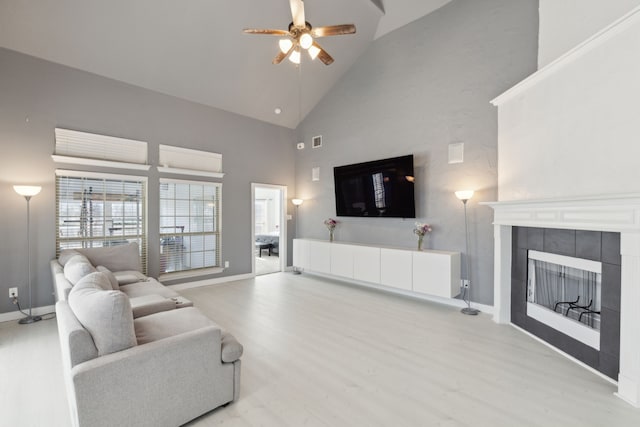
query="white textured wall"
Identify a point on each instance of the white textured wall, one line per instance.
(414, 91)
(566, 23)
(575, 132)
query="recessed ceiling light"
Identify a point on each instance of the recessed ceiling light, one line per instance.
(278, 110)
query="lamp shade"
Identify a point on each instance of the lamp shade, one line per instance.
(285, 45)
(27, 190)
(464, 194)
(295, 56)
(297, 202)
(306, 41)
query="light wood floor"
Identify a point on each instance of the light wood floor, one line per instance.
(319, 353)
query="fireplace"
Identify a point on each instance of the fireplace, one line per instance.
(565, 294)
(605, 229)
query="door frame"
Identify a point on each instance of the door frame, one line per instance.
(282, 240)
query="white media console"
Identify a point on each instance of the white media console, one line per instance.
(423, 273)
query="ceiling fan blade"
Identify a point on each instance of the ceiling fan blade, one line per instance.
(266, 32)
(297, 12)
(323, 55)
(280, 56)
(333, 30)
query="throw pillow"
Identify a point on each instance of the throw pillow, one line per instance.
(76, 268)
(112, 279)
(106, 314)
(66, 255)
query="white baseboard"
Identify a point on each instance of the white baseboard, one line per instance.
(208, 282)
(486, 309)
(36, 311)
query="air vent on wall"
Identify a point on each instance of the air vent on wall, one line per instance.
(316, 142)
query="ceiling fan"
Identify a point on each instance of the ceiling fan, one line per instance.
(301, 36)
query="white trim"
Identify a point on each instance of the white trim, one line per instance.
(617, 213)
(583, 48)
(567, 261)
(454, 302)
(185, 181)
(208, 282)
(99, 175)
(567, 326)
(192, 172)
(284, 223)
(35, 311)
(186, 274)
(568, 356)
(100, 163)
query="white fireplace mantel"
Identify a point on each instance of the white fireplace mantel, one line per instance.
(613, 213)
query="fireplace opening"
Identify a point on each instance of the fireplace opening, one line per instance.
(565, 293)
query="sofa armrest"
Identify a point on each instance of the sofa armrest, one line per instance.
(149, 304)
(139, 386)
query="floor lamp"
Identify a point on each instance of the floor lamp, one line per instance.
(464, 196)
(28, 191)
(297, 203)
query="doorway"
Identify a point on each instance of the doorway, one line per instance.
(268, 228)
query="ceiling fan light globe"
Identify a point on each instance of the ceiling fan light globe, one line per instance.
(313, 52)
(285, 45)
(306, 41)
(295, 57)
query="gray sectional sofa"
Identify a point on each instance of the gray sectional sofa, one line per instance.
(163, 365)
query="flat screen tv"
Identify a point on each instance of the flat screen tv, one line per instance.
(382, 188)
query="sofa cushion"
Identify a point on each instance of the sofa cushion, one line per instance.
(76, 268)
(106, 314)
(129, 276)
(169, 323)
(112, 279)
(149, 304)
(231, 348)
(148, 287)
(115, 258)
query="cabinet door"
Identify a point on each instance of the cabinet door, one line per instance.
(436, 273)
(341, 260)
(395, 268)
(319, 256)
(300, 254)
(366, 264)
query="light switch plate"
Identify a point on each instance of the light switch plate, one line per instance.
(315, 174)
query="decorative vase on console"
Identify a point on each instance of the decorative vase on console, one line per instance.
(421, 230)
(331, 225)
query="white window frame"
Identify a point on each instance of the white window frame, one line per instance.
(143, 236)
(194, 272)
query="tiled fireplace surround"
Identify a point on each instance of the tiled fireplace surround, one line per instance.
(569, 217)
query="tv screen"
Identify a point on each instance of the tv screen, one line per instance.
(382, 188)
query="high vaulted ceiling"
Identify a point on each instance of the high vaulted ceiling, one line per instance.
(196, 50)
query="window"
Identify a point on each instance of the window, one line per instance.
(95, 210)
(189, 225)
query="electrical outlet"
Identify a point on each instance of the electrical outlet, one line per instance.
(226, 264)
(465, 283)
(13, 292)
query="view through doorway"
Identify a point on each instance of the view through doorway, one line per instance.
(269, 228)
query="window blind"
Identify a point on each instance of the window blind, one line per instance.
(185, 158)
(190, 236)
(92, 146)
(96, 210)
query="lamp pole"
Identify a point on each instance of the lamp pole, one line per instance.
(464, 196)
(297, 203)
(28, 192)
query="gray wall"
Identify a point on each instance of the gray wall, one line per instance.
(36, 96)
(414, 91)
